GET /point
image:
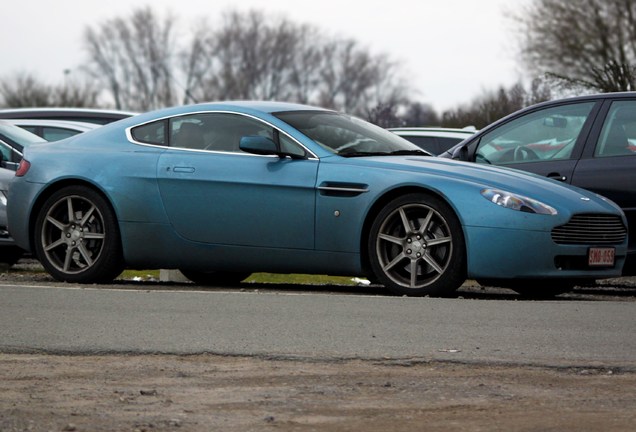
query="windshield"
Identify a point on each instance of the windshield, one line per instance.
(347, 136)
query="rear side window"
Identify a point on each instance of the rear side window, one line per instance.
(151, 133)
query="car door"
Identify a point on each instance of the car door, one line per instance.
(608, 164)
(215, 193)
(547, 141)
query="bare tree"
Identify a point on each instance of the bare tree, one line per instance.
(248, 55)
(493, 105)
(25, 90)
(134, 57)
(251, 57)
(255, 56)
(419, 114)
(589, 44)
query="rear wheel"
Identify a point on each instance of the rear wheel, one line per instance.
(214, 278)
(417, 247)
(77, 237)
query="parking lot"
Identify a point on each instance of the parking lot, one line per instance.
(456, 386)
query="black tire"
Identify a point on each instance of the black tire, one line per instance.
(532, 288)
(214, 278)
(416, 247)
(77, 237)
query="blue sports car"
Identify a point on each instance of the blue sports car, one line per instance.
(221, 190)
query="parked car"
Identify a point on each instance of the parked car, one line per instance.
(9, 252)
(13, 140)
(53, 130)
(87, 115)
(586, 141)
(221, 190)
(434, 140)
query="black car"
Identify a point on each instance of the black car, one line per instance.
(587, 141)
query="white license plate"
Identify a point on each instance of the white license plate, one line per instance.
(600, 257)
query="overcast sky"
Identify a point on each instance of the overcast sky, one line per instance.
(450, 50)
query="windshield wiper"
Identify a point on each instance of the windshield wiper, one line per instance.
(410, 152)
(393, 153)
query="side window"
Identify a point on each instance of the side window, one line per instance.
(151, 133)
(548, 134)
(618, 136)
(215, 131)
(287, 145)
(424, 142)
(223, 132)
(56, 134)
(7, 151)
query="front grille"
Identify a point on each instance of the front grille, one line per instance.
(592, 229)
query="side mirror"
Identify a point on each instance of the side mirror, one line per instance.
(259, 145)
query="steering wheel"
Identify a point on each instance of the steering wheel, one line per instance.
(524, 153)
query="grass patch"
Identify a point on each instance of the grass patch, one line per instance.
(299, 279)
(264, 278)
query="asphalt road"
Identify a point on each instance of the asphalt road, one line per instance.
(306, 324)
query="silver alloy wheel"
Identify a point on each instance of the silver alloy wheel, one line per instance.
(414, 245)
(73, 234)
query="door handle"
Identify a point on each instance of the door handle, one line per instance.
(557, 176)
(183, 169)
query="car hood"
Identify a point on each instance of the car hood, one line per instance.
(434, 171)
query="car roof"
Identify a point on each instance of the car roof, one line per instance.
(98, 116)
(74, 125)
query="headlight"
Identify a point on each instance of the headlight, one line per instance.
(517, 202)
(3, 197)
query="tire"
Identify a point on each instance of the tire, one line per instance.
(416, 247)
(215, 278)
(77, 237)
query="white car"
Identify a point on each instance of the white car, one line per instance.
(432, 139)
(53, 130)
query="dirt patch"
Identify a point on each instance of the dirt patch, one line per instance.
(206, 392)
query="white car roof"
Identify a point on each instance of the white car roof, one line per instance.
(65, 124)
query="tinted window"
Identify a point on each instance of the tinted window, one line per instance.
(152, 133)
(56, 134)
(215, 131)
(548, 134)
(427, 143)
(343, 134)
(618, 136)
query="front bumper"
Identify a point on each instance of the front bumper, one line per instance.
(509, 254)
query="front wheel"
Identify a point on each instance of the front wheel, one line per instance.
(77, 237)
(416, 247)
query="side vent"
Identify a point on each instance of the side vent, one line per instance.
(344, 190)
